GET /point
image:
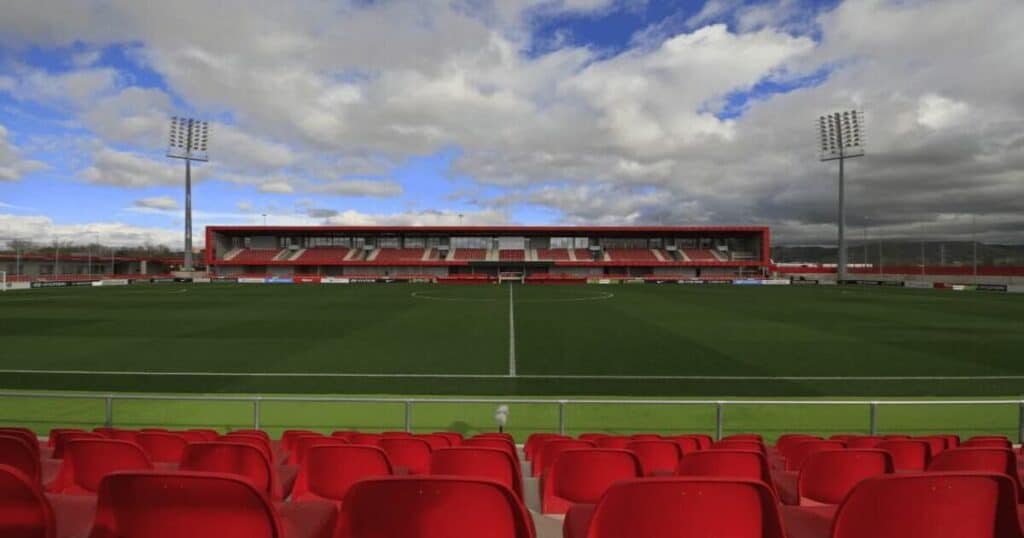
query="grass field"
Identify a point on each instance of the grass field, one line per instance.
(614, 341)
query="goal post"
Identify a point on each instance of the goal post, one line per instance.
(510, 276)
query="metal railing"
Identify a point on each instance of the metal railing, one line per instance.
(871, 407)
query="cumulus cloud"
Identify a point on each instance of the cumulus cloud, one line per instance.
(42, 228)
(13, 165)
(126, 169)
(157, 202)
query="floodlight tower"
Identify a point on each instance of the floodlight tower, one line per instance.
(842, 138)
(187, 141)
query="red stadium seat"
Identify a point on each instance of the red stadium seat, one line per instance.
(907, 454)
(194, 436)
(491, 463)
(535, 440)
(454, 439)
(787, 441)
(123, 435)
(799, 451)
(200, 505)
(87, 461)
(984, 460)
(988, 441)
(432, 507)
(827, 476)
(206, 433)
(162, 447)
(302, 445)
(932, 505)
(51, 438)
(491, 442)
(744, 437)
(372, 439)
(591, 436)
(582, 475)
(24, 510)
(613, 441)
(64, 437)
(952, 440)
(936, 444)
(864, 441)
(289, 436)
(756, 446)
(653, 508)
(744, 464)
(235, 458)
(645, 437)
(328, 471)
(396, 434)
(550, 451)
(501, 435)
(896, 437)
(250, 431)
(436, 441)
(16, 453)
(408, 455)
(656, 457)
(686, 443)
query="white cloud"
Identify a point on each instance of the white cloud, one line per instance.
(937, 112)
(12, 164)
(43, 229)
(125, 169)
(277, 187)
(157, 202)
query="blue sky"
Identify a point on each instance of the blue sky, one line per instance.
(526, 111)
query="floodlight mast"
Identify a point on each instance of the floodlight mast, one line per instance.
(841, 139)
(188, 141)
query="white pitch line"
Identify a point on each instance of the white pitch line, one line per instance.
(520, 376)
(511, 333)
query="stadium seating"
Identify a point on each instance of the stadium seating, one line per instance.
(407, 455)
(511, 255)
(24, 511)
(454, 439)
(481, 462)
(435, 441)
(864, 441)
(372, 439)
(657, 458)
(328, 471)
(406, 255)
(17, 453)
(235, 458)
(432, 507)
(583, 255)
(87, 461)
(550, 450)
(907, 454)
(162, 447)
(745, 464)
(582, 475)
(985, 460)
(322, 255)
(632, 255)
(799, 451)
(988, 442)
(255, 256)
(828, 475)
(302, 444)
(470, 254)
(201, 505)
(60, 440)
(756, 446)
(651, 507)
(699, 255)
(933, 505)
(534, 440)
(555, 254)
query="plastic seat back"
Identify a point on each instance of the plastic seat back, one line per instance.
(907, 454)
(123, 435)
(87, 461)
(582, 475)
(288, 437)
(933, 505)
(255, 441)
(302, 445)
(432, 507)
(207, 433)
(534, 442)
(985, 460)
(656, 457)
(756, 446)
(686, 443)
(678, 506)
(172, 505)
(987, 442)
(480, 462)
(936, 444)
(239, 459)
(800, 451)
(407, 454)
(864, 441)
(491, 442)
(16, 453)
(549, 453)
(744, 437)
(64, 437)
(371, 439)
(162, 447)
(25, 434)
(250, 431)
(24, 511)
(435, 441)
(591, 436)
(454, 438)
(645, 437)
(742, 464)
(51, 438)
(613, 441)
(786, 441)
(328, 471)
(828, 476)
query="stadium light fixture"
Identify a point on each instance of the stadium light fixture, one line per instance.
(188, 141)
(842, 137)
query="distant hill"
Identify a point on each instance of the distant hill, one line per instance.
(905, 253)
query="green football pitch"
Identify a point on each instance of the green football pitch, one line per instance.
(635, 341)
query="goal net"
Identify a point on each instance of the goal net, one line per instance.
(510, 277)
